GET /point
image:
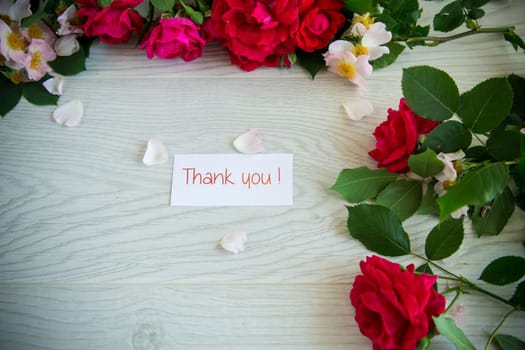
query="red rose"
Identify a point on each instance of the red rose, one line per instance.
(394, 307)
(256, 32)
(320, 20)
(396, 138)
(113, 24)
(174, 37)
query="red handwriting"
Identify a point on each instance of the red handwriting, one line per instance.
(209, 178)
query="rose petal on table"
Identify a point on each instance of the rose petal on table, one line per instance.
(54, 85)
(234, 242)
(250, 142)
(156, 153)
(69, 114)
(356, 110)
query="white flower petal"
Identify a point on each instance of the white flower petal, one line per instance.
(156, 153)
(65, 19)
(20, 9)
(54, 85)
(69, 114)
(250, 142)
(67, 45)
(234, 242)
(358, 109)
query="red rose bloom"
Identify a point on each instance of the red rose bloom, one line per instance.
(113, 24)
(320, 20)
(396, 138)
(256, 32)
(174, 37)
(394, 307)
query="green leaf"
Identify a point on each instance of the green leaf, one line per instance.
(490, 219)
(448, 137)
(103, 3)
(470, 4)
(70, 65)
(514, 39)
(425, 268)
(359, 184)
(518, 298)
(430, 92)
(486, 105)
(359, 6)
(163, 5)
(509, 342)
(11, 94)
(444, 239)
(379, 229)
(388, 59)
(34, 18)
(195, 16)
(477, 154)
(475, 188)
(504, 270)
(429, 204)
(447, 328)
(403, 197)
(450, 17)
(506, 144)
(37, 94)
(476, 13)
(518, 89)
(425, 164)
(313, 62)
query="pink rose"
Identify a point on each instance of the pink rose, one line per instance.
(320, 20)
(256, 32)
(394, 306)
(113, 24)
(174, 37)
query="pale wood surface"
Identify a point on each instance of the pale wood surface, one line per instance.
(93, 257)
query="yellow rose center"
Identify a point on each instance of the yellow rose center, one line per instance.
(447, 184)
(365, 19)
(35, 32)
(15, 41)
(346, 70)
(360, 50)
(16, 77)
(36, 61)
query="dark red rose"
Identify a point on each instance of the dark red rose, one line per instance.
(396, 138)
(113, 24)
(394, 307)
(174, 37)
(319, 21)
(256, 32)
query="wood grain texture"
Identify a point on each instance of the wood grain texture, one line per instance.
(93, 256)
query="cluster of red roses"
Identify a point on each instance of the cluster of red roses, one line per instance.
(256, 32)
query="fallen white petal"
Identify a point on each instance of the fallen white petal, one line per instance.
(70, 113)
(156, 153)
(54, 85)
(359, 109)
(67, 45)
(249, 142)
(234, 242)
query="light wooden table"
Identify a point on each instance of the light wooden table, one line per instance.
(93, 257)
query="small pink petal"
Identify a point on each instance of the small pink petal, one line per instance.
(67, 45)
(156, 153)
(250, 142)
(69, 114)
(359, 109)
(54, 85)
(234, 242)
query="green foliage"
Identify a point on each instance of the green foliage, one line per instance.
(163, 5)
(359, 6)
(485, 106)
(475, 188)
(444, 239)
(425, 164)
(11, 94)
(313, 62)
(513, 38)
(359, 184)
(34, 18)
(509, 342)
(37, 94)
(429, 205)
(518, 91)
(518, 298)
(504, 270)
(491, 218)
(448, 137)
(403, 197)
(506, 144)
(425, 268)
(386, 60)
(450, 17)
(401, 17)
(378, 229)
(430, 92)
(195, 16)
(70, 65)
(447, 328)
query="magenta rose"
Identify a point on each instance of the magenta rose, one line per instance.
(255, 32)
(394, 306)
(320, 20)
(396, 138)
(113, 24)
(174, 37)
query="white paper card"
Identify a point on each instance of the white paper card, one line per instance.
(232, 179)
